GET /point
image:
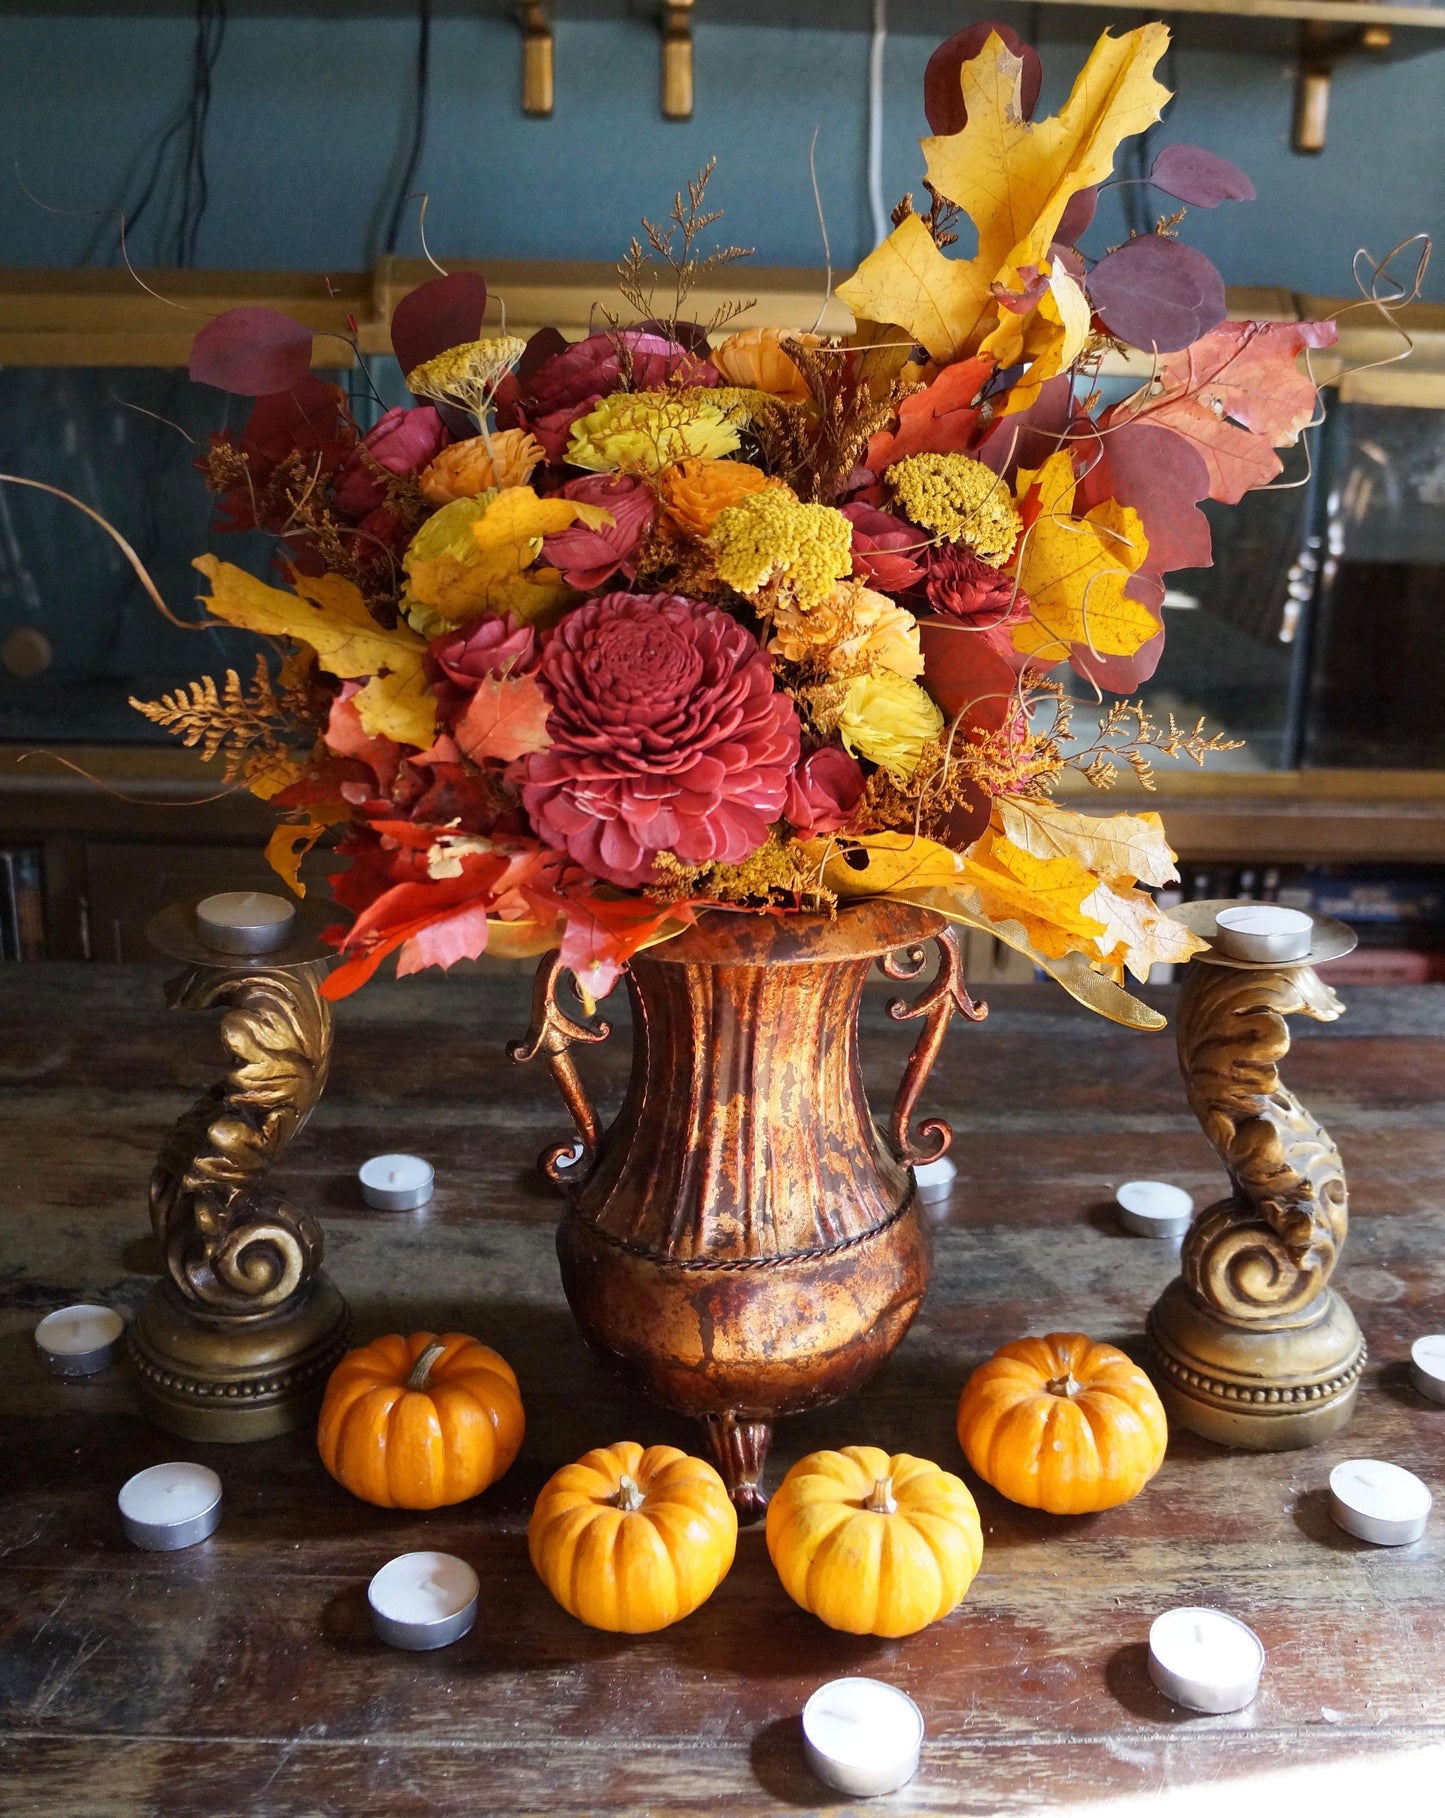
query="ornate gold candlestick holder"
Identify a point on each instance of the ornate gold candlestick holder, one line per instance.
(1254, 1347)
(237, 1339)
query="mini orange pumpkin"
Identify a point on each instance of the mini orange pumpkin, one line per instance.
(632, 1540)
(1063, 1424)
(872, 1544)
(420, 1422)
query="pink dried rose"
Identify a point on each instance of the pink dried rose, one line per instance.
(552, 396)
(460, 660)
(885, 549)
(823, 792)
(402, 441)
(961, 585)
(667, 736)
(586, 557)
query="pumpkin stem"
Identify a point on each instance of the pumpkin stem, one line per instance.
(629, 1495)
(421, 1370)
(1065, 1386)
(881, 1502)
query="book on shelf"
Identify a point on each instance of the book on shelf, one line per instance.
(22, 904)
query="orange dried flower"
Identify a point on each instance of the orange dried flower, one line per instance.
(467, 469)
(695, 491)
(758, 359)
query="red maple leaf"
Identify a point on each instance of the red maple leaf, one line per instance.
(506, 718)
(941, 419)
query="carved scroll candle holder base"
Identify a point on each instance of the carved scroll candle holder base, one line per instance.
(1253, 1347)
(237, 1340)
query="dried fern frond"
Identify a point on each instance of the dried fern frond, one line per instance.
(250, 728)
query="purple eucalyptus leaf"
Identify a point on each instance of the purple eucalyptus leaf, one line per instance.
(251, 351)
(1077, 216)
(691, 335)
(1161, 476)
(1203, 178)
(437, 315)
(942, 92)
(1157, 294)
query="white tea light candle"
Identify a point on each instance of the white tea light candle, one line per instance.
(423, 1600)
(244, 921)
(1263, 932)
(862, 1736)
(1427, 1365)
(396, 1183)
(1152, 1208)
(1378, 1502)
(170, 1506)
(1205, 1660)
(935, 1178)
(79, 1340)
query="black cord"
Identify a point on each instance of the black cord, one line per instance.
(419, 123)
(195, 191)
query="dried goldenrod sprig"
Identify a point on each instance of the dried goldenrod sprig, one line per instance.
(777, 873)
(672, 247)
(1126, 735)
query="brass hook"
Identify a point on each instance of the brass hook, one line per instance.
(677, 63)
(538, 64)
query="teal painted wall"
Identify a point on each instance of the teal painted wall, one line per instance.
(310, 122)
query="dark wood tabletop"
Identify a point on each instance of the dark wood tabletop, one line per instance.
(241, 1676)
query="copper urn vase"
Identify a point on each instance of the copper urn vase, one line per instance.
(744, 1241)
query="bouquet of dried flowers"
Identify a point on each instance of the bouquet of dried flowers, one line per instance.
(594, 636)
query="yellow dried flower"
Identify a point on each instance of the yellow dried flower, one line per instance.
(770, 537)
(888, 721)
(643, 431)
(853, 630)
(467, 375)
(480, 464)
(756, 358)
(960, 499)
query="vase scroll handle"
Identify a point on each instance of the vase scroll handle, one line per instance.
(551, 1034)
(947, 993)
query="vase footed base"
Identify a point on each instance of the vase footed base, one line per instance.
(229, 1378)
(1269, 1386)
(739, 1449)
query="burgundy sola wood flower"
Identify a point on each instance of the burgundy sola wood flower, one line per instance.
(667, 736)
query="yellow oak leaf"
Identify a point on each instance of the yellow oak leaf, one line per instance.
(288, 845)
(891, 862)
(1014, 177)
(1138, 934)
(1115, 846)
(1074, 571)
(1044, 896)
(267, 773)
(943, 303)
(328, 614)
(489, 574)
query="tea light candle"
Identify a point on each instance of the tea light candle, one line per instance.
(396, 1183)
(935, 1178)
(1263, 931)
(170, 1506)
(244, 921)
(1427, 1365)
(423, 1600)
(862, 1736)
(1205, 1660)
(1152, 1208)
(1378, 1502)
(78, 1341)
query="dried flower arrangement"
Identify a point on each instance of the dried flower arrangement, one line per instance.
(596, 635)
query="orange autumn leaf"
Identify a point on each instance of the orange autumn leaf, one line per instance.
(506, 718)
(940, 419)
(290, 842)
(1044, 896)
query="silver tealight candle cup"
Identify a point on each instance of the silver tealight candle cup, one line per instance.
(170, 1506)
(423, 1600)
(862, 1736)
(79, 1340)
(1427, 1365)
(1204, 1660)
(1379, 1502)
(1263, 932)
(396, 1183)
(244, 922)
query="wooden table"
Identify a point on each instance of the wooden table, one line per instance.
(241, 1676)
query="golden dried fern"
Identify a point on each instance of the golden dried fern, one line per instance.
(246, 727)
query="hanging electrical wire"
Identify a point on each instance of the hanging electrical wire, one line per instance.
(876, 204)
(419, 125)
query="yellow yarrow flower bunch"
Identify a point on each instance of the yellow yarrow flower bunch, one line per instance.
(467, 375)
(960, 500)
(645, 431)
(771, 537)
(888, 720)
